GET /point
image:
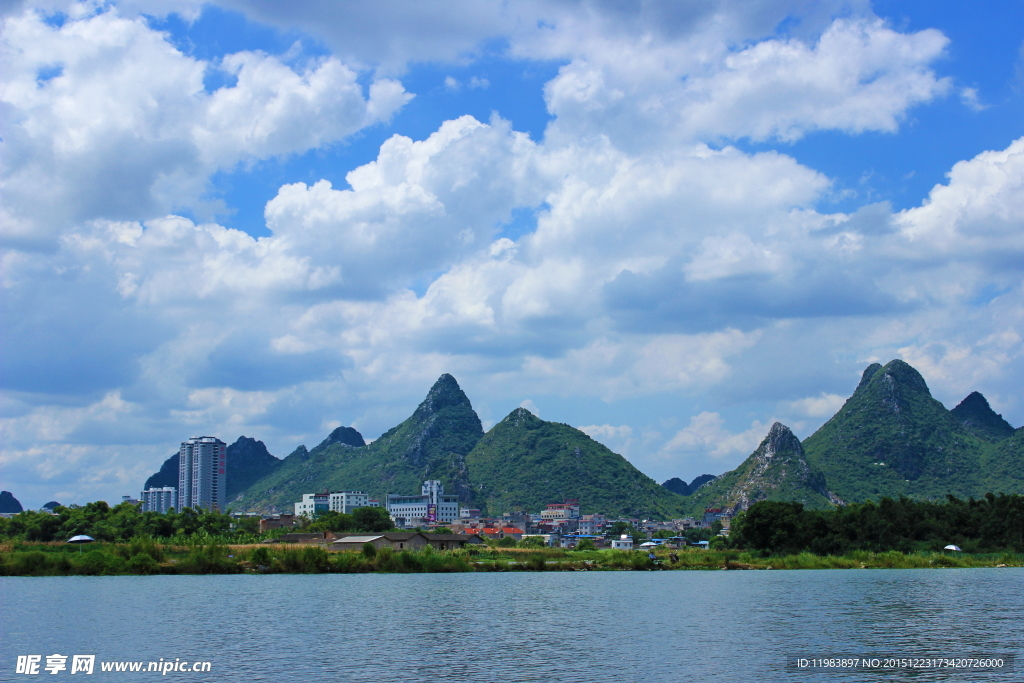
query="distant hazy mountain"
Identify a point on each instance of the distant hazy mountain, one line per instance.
(9, 504)
(677, 485)
(777, 470)
(248, 462)
(523, 463)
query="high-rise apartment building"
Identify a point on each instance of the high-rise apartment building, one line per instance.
(159, 500)
(201, 479)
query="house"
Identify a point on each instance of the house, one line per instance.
(402, 540)
(406, 540)
(278, 522)
(501, 532)
(568, 509)
(623, 542)
(550, 540)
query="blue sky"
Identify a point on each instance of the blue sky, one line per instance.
(669, 224)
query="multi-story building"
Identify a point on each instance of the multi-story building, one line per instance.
(568, 509)
(339, 501)
(159, 500)
(312, 504)
(430, 507)
(201, 473)
(592, 524)
(347, 501)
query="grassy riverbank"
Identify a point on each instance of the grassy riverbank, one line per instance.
(145, 557)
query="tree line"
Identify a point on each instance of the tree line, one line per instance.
(126, 521)
(989, 524)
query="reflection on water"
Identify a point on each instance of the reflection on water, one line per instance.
(584, 626)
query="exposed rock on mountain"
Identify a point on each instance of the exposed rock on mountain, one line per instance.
(777, 470)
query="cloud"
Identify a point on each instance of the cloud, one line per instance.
(706, 434)
(823, 405)
(122, 127)
(667, 274)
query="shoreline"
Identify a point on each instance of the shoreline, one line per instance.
(149, 558)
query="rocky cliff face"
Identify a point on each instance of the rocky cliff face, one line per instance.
(777, 470)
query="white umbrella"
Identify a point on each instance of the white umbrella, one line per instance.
(81, 539)
(952, 547)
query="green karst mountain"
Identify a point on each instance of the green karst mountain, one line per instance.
(891, 438)
(431, 444)
(777, 470)
(248, 462)
(977, 416)
(523, 463)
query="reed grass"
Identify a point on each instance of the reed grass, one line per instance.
(144, 556)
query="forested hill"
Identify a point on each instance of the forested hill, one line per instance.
(523, 463)
(891, 438)
(431, 444)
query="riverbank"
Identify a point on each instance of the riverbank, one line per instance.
(145, 557)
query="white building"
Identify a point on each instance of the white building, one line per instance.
(623, 542)
(347, 501)
(201, 473)
(159, 500)
(428, 507)
(569, 509)
(312, 504)
(337, 501)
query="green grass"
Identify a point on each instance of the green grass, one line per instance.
(145, 557)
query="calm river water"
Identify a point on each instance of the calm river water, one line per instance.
(574, 626)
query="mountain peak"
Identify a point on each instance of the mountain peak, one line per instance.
(977, 415)
(905, 375)
(445, 393)
(781, 439)
(777, 470)
(869, 372)
(8, 503)
(342, 435)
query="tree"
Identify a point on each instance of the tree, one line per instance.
(770, 525)
(372, 519)
(586, 544)
(335, 521)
